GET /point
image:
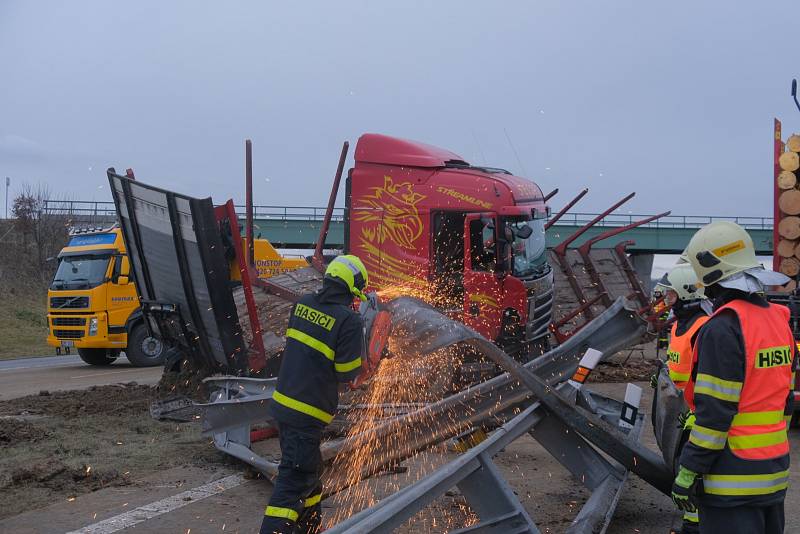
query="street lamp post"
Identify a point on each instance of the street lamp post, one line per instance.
(8, 183)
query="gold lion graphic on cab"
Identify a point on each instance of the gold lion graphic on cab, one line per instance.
(393, 209)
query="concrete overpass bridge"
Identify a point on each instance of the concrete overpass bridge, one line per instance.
(298, 226)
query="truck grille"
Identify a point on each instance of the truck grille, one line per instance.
(68, 334)
(69, 302)
(69, 321)
(540, 314)
(540, 306)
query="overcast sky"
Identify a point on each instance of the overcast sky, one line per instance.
(673, 100)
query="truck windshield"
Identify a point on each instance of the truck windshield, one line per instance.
(528, 255)
(80, 272)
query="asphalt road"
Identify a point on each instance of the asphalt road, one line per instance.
(29, 376)
(219, 500)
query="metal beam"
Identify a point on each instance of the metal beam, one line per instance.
(635, 457)
(489, 495)
(397, 508)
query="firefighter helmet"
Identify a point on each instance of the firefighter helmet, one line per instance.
(661, 287)
(723, 253)
(350, 270)
(682, 280)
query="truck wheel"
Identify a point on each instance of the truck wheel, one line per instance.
(143, 350)
(96, 356)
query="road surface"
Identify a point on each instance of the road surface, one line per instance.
(29, 376)
(220, 500)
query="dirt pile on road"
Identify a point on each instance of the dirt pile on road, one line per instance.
(58, 476)
(129, 399)
(58, 445)
(631, 371)
(632, 365)
(186, 381)
(14, 431)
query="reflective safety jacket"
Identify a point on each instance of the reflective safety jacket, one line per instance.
(323, 349)
(680, 354)
(742, 395)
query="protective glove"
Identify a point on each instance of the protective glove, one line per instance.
(654, 376)
(686, 420)
(683, 490)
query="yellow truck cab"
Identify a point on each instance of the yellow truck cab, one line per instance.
(93, 306)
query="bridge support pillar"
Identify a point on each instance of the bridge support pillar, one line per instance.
(643, 264)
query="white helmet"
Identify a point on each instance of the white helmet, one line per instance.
(682, 280)
(723, 253)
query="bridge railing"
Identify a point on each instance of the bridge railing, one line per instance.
(669, 221)
(293, 213)
(93, 210)
(80, 208)
(89, 209)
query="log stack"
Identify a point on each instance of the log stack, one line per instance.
(787, 170)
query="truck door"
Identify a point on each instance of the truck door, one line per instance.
(121, 295)
(482, 287)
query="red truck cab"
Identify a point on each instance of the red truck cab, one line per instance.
(467, 239)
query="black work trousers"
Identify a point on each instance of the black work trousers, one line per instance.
(749, 519)
(295, 503)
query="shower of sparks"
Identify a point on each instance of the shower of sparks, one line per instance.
(402, 381)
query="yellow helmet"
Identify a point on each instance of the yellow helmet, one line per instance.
(350, 270)
(723, 253)
(682, 280)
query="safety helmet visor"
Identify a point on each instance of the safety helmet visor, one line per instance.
(671, 297)
(754, 280)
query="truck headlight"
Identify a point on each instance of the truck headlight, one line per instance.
(93, 326)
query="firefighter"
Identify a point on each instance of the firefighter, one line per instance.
(661, 310)
(691, 311)
(323, 349)
(734, 468)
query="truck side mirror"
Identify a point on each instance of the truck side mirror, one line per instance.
(125, 267)
(123, 280)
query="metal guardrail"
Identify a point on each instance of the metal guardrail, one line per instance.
(91, 208)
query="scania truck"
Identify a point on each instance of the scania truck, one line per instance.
(468, 239)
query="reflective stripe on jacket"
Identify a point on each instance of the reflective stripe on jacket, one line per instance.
(323, 349)
(680, 354)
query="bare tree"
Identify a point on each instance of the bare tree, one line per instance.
(40, 232)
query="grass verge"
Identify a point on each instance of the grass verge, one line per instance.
(23, 326)
(62, 444)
